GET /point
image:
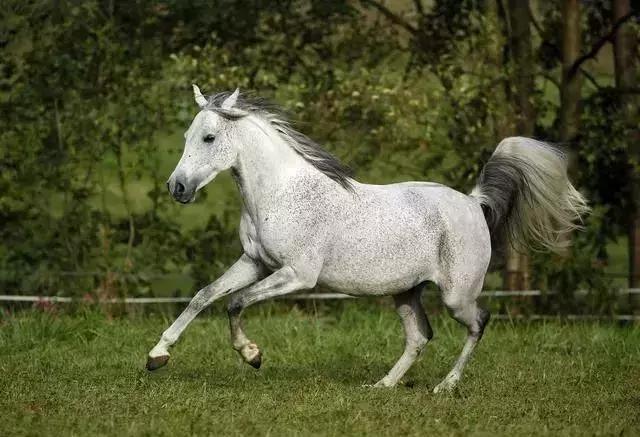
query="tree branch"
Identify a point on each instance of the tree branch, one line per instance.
(533, 20)
(599, 44)
(590, 78)
(419, 7)
(394, 18)
(558, 53)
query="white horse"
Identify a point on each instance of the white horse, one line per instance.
(306, 222)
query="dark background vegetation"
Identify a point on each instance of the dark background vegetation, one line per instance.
(95, 95)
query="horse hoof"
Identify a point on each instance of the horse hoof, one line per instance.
(446, 386)
(383, 384)
(154, 363)
(256, 361)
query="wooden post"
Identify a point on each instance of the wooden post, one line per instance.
(624, 45)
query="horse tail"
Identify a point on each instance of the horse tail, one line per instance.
(526, 195)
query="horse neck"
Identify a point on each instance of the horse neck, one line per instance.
(265, 163)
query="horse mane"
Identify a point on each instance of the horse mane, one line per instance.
(276, 117)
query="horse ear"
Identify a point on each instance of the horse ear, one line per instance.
(230, 101)
(200, 99)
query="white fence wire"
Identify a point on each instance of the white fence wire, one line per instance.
(333, 296)
(295, 296)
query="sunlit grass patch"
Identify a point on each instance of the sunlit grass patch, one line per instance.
(83, 375)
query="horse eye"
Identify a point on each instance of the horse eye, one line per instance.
(209, 138)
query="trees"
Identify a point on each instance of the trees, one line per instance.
(626, 75)
(90, 92)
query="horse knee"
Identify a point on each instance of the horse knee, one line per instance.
(456, 303)
(202, 299)
(416, 344)
(420, 345)
(467, 313)
(483, 318)
(479, 322)
(234, 307)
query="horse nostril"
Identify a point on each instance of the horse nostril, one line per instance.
(179, 188)
(169, 187)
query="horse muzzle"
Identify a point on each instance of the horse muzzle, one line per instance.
(181, 190)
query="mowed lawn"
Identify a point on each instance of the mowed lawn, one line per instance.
(84, 374)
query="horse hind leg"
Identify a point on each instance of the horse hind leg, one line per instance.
(417, 331)
(461, 304)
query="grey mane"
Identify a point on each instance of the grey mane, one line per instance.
(311, 151)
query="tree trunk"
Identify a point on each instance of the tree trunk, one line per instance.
(523, 62)
(570, 89)
(571, 82)
(516, 275)
(625, 70)
(501, 119)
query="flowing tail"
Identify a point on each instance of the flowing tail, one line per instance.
(526, 195)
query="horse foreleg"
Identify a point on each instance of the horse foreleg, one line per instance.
(244, 272)
(417, 331)
(281, 282)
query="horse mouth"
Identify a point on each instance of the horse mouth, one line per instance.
(186, 199)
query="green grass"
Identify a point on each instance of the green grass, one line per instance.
(83, 375)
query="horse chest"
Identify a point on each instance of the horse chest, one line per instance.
(256, 243)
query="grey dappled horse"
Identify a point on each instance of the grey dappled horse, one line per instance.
(306, 222)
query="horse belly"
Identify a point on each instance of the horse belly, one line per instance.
(383, 266)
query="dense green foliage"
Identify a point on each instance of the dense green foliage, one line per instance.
(95, 94)
(84, 375)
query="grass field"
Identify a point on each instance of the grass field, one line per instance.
(83, 375)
